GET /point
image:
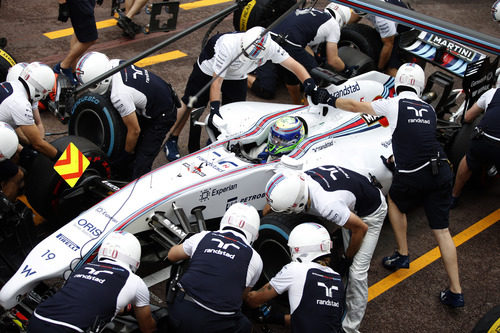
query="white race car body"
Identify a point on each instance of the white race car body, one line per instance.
(216, 177)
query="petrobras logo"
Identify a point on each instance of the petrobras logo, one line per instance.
(68, 242)
(347, 90)
(88, 227)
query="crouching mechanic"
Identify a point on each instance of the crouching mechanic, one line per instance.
(11, 175)
(314, 289)
(146, 103)
(229, 58)
(349, 200)
(17, 98)
(222, 270)
(95, 293)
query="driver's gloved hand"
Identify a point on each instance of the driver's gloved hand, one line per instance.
(324, 97)
(310, 88)
(214, 111)
(63, 12)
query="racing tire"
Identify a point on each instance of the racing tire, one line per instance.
(461, 143)
(45, 188)
(363, 38)
(353, 57)
(94, 118)
(6, 62)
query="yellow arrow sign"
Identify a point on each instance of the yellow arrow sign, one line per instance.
(71, 164)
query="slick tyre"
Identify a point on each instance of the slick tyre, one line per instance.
(94, 118)
(363, 38)
(461, 143)
(6, 62)
(49, 194)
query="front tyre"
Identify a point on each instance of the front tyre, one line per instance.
(94, 118)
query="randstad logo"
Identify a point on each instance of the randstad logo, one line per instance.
(348, 89)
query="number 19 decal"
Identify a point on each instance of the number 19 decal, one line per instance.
(48, 255)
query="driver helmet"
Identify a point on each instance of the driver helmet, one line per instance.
(242, 217)
(40, 80)
(495, 11)
(341, 14)
(15, 71)
(412, 76)
(287, 192)
(123, 248)
(285, 134)
(309, 241)
(254, 43)
(8, 141)
(91, 65)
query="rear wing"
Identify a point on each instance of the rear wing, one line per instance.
(442, 52)
(479, 77)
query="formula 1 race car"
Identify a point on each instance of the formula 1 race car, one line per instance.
(192, 193)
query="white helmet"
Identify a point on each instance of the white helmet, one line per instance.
(495, 11)
(122, 247)
(287, 192)
(308, 241)
(92, 65)
(254, 43)
(15, 71)
(243, 217)
(410, 75)
(8, 141)
(40, 79)
(341, 13)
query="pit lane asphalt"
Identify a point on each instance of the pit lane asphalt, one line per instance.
(396, 304)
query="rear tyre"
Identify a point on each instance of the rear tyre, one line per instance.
(461, 143)
(94, 118)
(363, 38)
(45, 188)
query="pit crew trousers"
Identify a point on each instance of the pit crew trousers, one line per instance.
(357, 285)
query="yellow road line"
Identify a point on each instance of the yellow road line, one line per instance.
(201, 3)
(160, 58)
(431, 256)
(69, 31)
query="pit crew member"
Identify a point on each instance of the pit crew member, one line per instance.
(349, 200)
(95, 293)
(223, 268)
(228, 58)
(146, 103)
(314, 289)
(423, 174)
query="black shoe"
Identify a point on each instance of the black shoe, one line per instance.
(126, 25)
(397, 260)
(449, 298)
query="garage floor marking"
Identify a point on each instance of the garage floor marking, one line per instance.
(201, 3)
(431, 256)
(160, 58)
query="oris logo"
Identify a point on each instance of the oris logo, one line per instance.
(89, 227)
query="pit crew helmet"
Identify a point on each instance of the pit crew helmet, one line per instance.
(309, 241)
(254, 43)
(8, 141)
(123, 248)
(495, 11)
(40, 80)
(342, 14)
(412, 76)
(91, 65)
(242, 217)
(285, 134)
(15, 71)
(287, 192)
